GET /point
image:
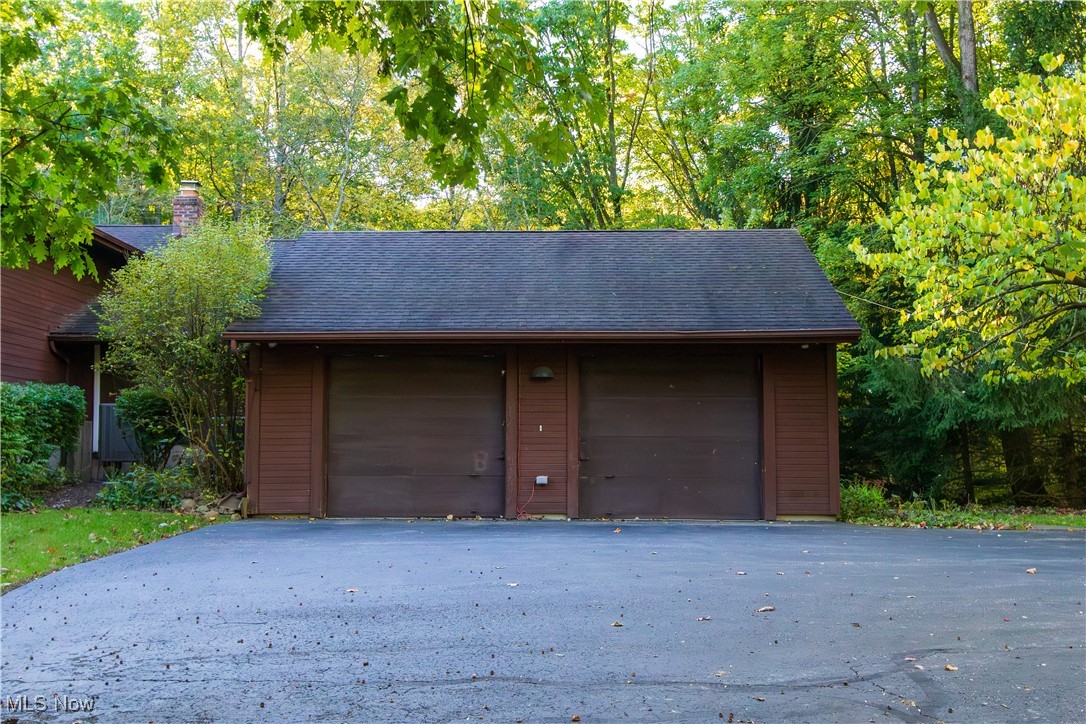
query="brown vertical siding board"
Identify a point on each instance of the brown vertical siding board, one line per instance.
(573, 422)
(512, 422)
(769, 440)
(252, 430)
(542, 453)
(285, 455)
(319, 449)
(803, 456)
(832, 422)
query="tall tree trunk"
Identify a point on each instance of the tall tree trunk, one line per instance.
(967, 463)
(963, 71)
(1069, 468)
(279, 197)
(967, 46)
(1027, 484)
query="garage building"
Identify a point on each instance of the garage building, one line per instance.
(652, 374)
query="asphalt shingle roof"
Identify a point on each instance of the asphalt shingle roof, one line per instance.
(143, 237)
(79, 325)
(634, 282)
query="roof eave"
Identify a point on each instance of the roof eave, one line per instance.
(112, 242)
(841, 335)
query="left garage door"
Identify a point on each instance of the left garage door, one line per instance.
(416, 436)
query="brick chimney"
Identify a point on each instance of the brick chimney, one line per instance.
(188, 207)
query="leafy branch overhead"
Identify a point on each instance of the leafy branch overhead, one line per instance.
(74, 118)
(993, 239)
(454, 64)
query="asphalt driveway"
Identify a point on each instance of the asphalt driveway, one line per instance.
(295, 620)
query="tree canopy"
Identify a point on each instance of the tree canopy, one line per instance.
(75, 117)
(992, 237)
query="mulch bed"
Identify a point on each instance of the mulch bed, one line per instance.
(72, 496)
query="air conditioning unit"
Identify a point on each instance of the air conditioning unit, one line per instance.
(116, 441)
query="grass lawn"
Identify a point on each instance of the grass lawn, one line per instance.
(35, 543)
(1065, 519)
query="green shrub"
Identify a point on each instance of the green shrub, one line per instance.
(144, 488)
(37, 419)
(859, 501)
(152, 423)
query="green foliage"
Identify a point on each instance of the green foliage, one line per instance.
(146, 488)
(152, 421)
(74, 118)
(860, 501)
(38, 419)
(993, 239)
(453, 63)
(867, 506)
(164, 314)
(1032, 28)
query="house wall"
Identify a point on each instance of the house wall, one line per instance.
(800, 430)
(286, 420)
(35, 301)
(280, 430)
(542, 432)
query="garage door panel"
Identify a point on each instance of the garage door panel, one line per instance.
(414, 495)
(440, 376)
(416, 435)
(412, 415)
(652, 377)
(661, 416)
(670, 436)
(662, 457)
(385, 455)
(669, 498)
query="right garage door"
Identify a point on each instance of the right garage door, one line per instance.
(670, 437)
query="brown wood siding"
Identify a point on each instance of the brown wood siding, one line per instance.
(34, 302)
(542, 432)
(282, 433)
(803, 414)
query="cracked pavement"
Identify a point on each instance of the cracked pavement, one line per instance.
(505, 621)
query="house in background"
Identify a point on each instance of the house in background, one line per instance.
(49, 330)
(677, 374)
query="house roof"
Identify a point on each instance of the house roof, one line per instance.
(81, 326)
(137, 237)
(551, 284)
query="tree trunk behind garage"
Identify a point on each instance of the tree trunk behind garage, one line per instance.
(1025, 476)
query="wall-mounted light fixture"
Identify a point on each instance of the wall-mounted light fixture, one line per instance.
(542, 373)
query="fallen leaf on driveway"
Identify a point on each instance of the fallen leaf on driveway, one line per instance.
(617, 624)
(1031, 570)
(765, 609)
(352, 590)
(575, 718)
(950, 667)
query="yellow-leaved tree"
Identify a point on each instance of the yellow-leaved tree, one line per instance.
(992, 240)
